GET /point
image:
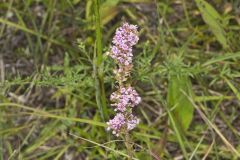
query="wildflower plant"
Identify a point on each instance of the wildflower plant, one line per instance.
(125, 98)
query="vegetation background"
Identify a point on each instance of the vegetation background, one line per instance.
(56, 79)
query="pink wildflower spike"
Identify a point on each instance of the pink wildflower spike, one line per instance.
(126, 97)
(125, 37)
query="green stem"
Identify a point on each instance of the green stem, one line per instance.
(98, 66)
(129, 146)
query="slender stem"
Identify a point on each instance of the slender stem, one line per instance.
(186, 13)
(1, 137)
(98, 65)
(129, 146)
(98, 32)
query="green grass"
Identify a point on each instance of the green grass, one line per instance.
(56, 80)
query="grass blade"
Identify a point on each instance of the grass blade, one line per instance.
(25, 29)
(222, 58)
(101, 145)
(49, 115)
(98, 66)
(215, 128)
(233, 88)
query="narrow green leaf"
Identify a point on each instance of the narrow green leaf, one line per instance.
(108, 11)
(27, 30)
(212, 18)
(42, 113)
(222, 58)
(233, 88)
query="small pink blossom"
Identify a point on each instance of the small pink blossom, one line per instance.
(132, 122)
(116, 123)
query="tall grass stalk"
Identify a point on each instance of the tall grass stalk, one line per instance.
(98, 65)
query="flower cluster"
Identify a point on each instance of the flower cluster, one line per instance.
(119, 122)
(125, 37)
(116, 123)
(126, 97)
(132, 122)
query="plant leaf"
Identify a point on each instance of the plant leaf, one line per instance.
(178, 90)
(212, 18)
(108, 11)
